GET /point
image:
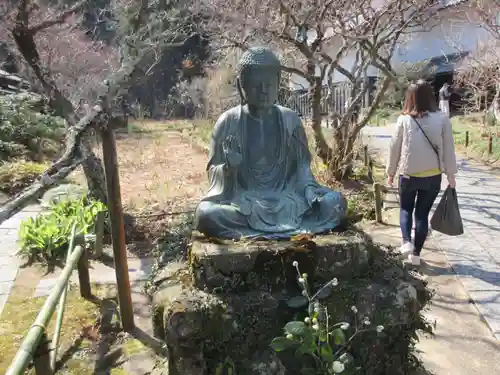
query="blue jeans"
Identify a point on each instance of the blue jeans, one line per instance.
(417, 194)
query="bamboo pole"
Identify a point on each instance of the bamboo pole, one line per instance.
(62, 305)
(32, 340)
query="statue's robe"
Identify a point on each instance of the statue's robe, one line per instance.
(272, 193)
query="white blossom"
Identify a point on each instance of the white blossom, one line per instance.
(295, 263)
(338, 367)
(307, 320)
(380, 329)
(301, 280)
(304, 293)
(289, 336)
(354, 309)
(315, 327)
(367, 322)
(344, 326)
(335, 282)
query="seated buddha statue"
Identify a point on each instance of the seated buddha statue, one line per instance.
(259, 167)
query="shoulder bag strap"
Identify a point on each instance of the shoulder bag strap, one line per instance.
(428, 140)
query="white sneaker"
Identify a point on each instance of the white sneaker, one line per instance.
(406, 249)
(414, 260)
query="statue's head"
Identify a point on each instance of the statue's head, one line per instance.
(259, 77)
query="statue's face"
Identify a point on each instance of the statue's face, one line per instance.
(260, 85)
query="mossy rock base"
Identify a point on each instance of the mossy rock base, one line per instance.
(241, 295)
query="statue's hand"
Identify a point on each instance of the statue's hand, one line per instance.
(313, 196)
(232, 151)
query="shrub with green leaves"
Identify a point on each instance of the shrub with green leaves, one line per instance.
(46, 237)
(26, 132)
(18, 174)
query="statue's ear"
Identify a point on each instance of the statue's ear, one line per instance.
(240, 91)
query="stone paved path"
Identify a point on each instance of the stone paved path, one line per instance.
(474, 256)
(9, 262)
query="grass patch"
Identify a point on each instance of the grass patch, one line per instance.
(17, 175)
(88, 328)
(20, 313)
(477, 148)
(385, 116)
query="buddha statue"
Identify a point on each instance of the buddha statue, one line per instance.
(259, 167)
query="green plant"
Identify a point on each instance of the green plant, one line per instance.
(316, 337)
(27, 132)
(16, 175)
(46, 236)
(225, 368)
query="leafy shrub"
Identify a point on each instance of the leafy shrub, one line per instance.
(46, 236)
(18, 174)
(317, 337)
(26, 132)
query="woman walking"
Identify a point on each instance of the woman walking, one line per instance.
(421, 150)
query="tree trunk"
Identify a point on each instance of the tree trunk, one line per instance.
(62, 107)
(96, 181)
(322, 149)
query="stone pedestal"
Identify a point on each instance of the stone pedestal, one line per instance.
(221, 313)
(268, 264)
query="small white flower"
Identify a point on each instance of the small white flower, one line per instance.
(354, 309)
(338, 367)
(295, 263)
(316, 306)
(367, 322)
(304, 293)
(380, 329)
(315, 320)
(344, 326)
(335, 282)
(307, 320)
(289, 336)
(304, 275)
(315, 327)
(301, 280)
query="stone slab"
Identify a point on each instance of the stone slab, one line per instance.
(15, 221)
(488, 305)
(8, 273)
(5, 287)
(44, 287)
(251, 262)
(6, 259)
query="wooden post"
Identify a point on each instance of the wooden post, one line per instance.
(42, 357)
(377, 189)
(365, 154)
(84, 275)
(117, 226)
(99, 234)
(370, 169)
(490, 144)
(466, 138)
(158, 322)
